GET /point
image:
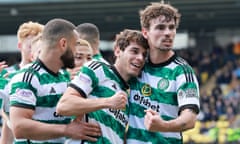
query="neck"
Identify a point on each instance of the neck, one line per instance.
(96, 51)
(51, 60)
(122, 72)
(23, 63)
(157, 56)
(95, 48)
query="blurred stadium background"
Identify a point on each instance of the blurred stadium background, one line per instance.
(208, 37)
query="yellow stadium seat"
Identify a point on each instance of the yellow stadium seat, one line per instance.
(222, 124)
(222, 139)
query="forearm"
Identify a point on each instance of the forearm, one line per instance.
(30, 129)
(75, 105)
(185, 121)
(6, 134)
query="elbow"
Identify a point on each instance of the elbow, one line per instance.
(191, 125)
(63, 108)
(60, 109)
(18, 132)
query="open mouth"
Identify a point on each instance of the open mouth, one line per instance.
(136, 66)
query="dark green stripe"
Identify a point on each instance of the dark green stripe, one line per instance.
(102, 91)
(111, 75)
(91, 74)
(108, 121)
(48, 101)
(65, 121)
(146, 136)
(22, 85)
(47, 78)
(168, 73)
(137, 110)
(1, 102)
(156, 94)
(3, 83)
(153, 137)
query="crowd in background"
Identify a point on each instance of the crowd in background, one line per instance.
(222, 64)
(218, 72)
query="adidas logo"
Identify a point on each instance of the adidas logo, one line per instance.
(52, 90)
(114, 86)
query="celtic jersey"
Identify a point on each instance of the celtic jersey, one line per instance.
(4, 81)
(167, 88)
(99, 80)
(10, 69)
(99, 57)
(39, 89)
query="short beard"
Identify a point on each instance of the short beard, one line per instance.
(68, 59)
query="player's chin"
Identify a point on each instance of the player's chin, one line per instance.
(135, 73)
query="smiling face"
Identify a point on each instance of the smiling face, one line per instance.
(130, 61)
(130, 50)
(82, 55)
(161, 33)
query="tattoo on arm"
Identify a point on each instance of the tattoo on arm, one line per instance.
(183, 126)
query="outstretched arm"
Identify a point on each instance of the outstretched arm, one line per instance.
(24, 127)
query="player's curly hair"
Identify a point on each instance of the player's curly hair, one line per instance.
(29, 29)
(156, 9)
(124, 38)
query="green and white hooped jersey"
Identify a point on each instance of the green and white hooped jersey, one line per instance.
(99, 57)
(4, 81)
(39, 89)
(5, 91)
(167, 88)
(10, 69)
(99, 80)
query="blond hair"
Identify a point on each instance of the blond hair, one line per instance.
(36, 38)
(29, 29)
(82, 42)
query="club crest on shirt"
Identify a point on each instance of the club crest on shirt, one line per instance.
(146, 90)
(163, 84)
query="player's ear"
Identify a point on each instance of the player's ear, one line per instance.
(63, 44)
(116, 51)
(144, 32)
(19, 45)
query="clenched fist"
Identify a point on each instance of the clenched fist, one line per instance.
(118, 100)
